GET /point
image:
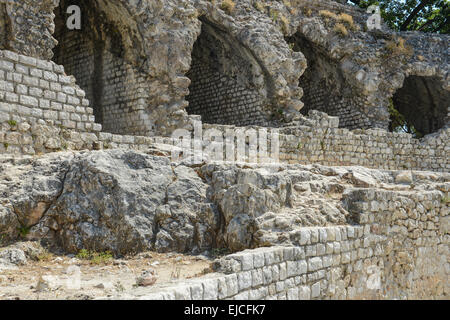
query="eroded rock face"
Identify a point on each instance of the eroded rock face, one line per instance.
(11, 258)
(290, 55)
(127, 202)
(118, 201)
(131, 202)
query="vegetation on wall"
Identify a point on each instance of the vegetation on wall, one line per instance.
(400, 124)
(410, 15)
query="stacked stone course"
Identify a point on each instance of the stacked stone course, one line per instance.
(42, 110)
(33, 90)
(399, 249)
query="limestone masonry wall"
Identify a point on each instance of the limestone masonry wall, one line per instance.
(322, 141)
(398, 250)
(97, 60)
(34, 91)
(221, 100)
(370, 148)
(43, 110)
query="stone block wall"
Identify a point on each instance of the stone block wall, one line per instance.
(372, 149)
(398, 251)
(321, 141)
(322, 97)
(325, 88)
(228, 85)
(220, 99)
(303, 145)
(36, 91)
(43, 110)
(116, 89)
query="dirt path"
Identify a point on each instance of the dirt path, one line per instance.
(67, 277)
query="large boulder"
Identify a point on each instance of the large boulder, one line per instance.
(10, 258)
(118, 200)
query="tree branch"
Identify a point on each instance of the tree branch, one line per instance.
(439, 27)
(414, 13)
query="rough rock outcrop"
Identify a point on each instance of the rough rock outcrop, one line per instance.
(126, 202)
(118, 201)
(11, 258)
(288, 54)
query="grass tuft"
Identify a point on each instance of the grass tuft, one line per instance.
(228, 6)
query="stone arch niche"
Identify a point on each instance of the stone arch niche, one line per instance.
(424, 103)
(228, 85)
(325, 87)
(103, 58)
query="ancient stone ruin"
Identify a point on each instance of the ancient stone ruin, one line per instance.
(353, 209)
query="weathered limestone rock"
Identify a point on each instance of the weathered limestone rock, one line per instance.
(118, 201)
(126, 201)
(351, 76)
(147, 278)
(11, 258)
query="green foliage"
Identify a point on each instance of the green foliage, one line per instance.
(44, 256)
(219, 252)
(95, 257)
(23, 231)
(274, 15)
(400, 124)
(12, 123)
(322, 145)
(433, 17)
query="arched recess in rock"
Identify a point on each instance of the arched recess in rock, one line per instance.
(325, 87)
(228, 84)
(104, 58)
(424, 103)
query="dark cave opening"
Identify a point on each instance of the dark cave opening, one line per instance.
(225, 80)
(420, 107)
(95, 56)
(324, 85)
(327, 90)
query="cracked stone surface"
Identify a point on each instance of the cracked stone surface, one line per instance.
(287, 44)
(126, 201)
